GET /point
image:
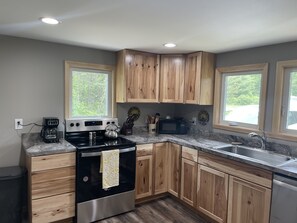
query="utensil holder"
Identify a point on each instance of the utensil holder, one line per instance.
(152, 129)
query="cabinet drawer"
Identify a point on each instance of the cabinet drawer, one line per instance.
(144, 150)
(189, 153)
(53, 182)
(40, 163)
(53, 208)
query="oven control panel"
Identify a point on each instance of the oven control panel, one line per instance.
(80, 125)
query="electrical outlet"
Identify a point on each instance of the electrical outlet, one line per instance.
(194, 121)
(18, 123)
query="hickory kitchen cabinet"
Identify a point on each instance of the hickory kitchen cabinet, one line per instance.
(212, 193)
(160, 168)
(153, 168)
(144, 171)
(51, 186)
(172, 74)
(248, 188)
(188, 175)
(199, 78)
(137, 76)
(248, 202)
(174, 169)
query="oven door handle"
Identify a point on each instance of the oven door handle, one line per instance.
(91, 154)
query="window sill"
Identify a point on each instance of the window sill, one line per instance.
(238, 129)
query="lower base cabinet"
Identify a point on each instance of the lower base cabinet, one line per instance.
(51, 184)
(174, 169)
(212, 193)
(144, 171)
(52, 209)
(188, 181)
(222, 189)
(160, 160)
(248, 202)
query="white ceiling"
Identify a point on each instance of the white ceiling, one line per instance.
(208, 25)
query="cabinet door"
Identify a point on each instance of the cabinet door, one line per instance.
(160, 168)
(137, 77)
(199, 78)
(188, 181)
(144, 173)
(174, 154)
(248, 202)
(172, 78)
(212, 192)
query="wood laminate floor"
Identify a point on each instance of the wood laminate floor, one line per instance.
(162, 210)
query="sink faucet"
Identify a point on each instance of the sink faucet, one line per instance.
(262, 139)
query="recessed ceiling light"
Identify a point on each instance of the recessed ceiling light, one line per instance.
(170, 45)
(49, 20)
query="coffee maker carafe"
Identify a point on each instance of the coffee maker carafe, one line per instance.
(49, 132)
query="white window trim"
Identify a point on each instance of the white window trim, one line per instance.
(69, 65)
(217, 121)
(278, 124)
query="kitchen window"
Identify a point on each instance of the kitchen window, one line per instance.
(89, 90)
(285, 100)
(240, 97)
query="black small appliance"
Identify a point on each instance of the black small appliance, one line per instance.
(49, 132)
(172, 126)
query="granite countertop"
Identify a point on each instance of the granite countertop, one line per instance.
(34, 146)
(210, 146)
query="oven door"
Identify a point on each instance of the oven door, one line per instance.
(89, 178)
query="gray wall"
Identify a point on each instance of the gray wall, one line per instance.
(32, 85)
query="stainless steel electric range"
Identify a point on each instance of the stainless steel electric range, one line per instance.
(92, 201)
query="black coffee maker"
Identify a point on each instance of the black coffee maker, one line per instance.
(49, 132)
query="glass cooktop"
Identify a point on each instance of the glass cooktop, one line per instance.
(100, 143)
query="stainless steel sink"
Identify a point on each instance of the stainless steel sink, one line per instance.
(261, 155)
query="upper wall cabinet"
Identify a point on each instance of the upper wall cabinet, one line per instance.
(137, 77)
(172, 78)
(199, 78)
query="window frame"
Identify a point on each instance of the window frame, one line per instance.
(279, 116)
(69, 66)
(218, 123)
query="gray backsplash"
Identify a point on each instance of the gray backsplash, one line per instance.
(198, 130)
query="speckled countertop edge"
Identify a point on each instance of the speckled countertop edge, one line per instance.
(208, 145)
(34, 146)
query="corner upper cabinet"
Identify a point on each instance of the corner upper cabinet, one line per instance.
(199, 78)
(172, 78)
(137, 76)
